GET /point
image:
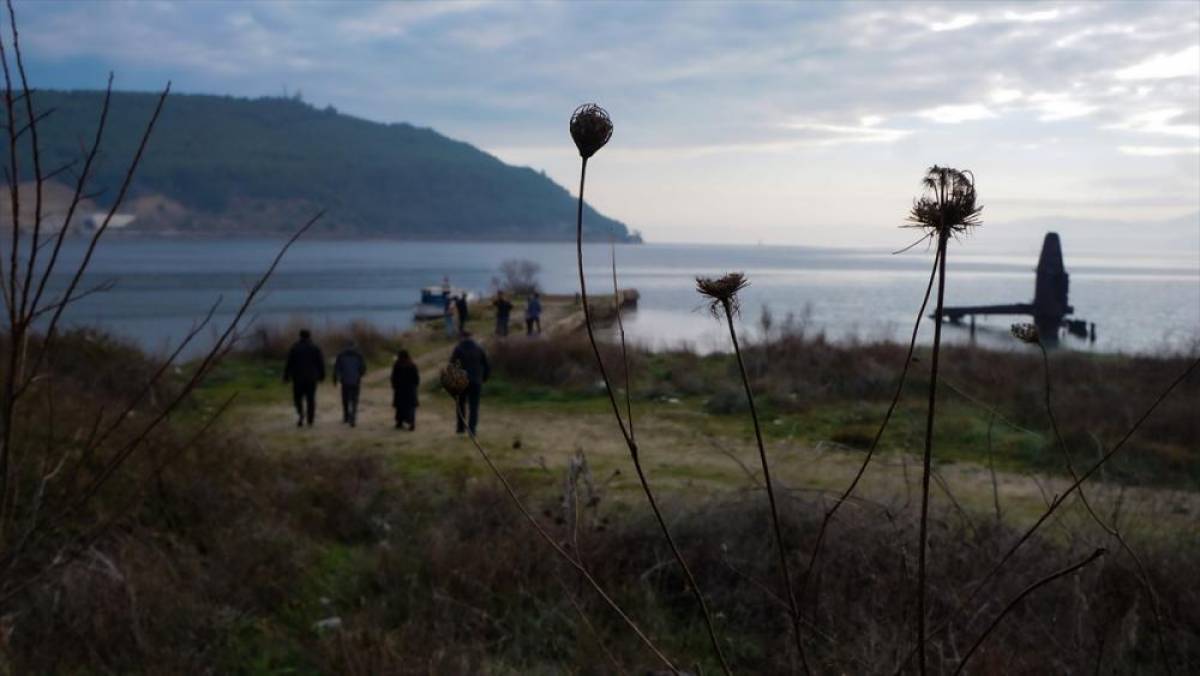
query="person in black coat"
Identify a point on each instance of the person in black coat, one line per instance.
(503, 311)
(464, 314)
(305, 368)
(405, 379)
(472, 359)
(348, 371)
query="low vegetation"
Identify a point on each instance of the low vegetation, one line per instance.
(234, 558)
(819, 391)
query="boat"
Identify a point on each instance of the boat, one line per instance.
(432, 305)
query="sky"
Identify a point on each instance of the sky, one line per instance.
(781, 123)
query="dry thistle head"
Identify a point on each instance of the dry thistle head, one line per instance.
(590, 128)
(723, 292)
(455, 379)
(948, 206)
(1026, 333)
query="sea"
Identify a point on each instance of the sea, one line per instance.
(161, 287)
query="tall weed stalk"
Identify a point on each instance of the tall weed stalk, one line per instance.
(947, 208)
(591, 129)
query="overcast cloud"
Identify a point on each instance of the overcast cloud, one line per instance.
(799, 123)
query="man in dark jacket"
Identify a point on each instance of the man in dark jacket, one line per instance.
(348, 370)
(533, 314)
(472, 359)
(304, 369)
(464, 314)
(503, 312)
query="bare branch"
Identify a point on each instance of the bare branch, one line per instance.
(91, 248)
(103, 287)
(1021, 597)
(39, 182)
(219, 350)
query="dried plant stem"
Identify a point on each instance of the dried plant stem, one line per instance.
(512, 494)
(1143, 574)
(887, 416)
(992, 469)
(762, 456)
(1060, 499)
(1020, 597)
(927, 460)
(629, 440)
(617, 300)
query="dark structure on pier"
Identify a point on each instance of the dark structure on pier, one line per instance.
(1050, 309)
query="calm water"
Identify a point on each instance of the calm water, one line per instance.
(1139, 305)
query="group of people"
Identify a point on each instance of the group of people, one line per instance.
(305, 368)
(533, 314)
(456, 312)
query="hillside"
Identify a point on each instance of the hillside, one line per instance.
(227, 166)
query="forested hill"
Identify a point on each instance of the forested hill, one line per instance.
(220, 165)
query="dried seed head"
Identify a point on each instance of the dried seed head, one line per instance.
(590, 128)
(723, 292)
(948, 206)
(455, 379)
(1026, 333)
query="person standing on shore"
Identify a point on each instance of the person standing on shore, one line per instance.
(533, 314)
(460, 304)
(348, 371)
(305, 368)
(472, 359)
(448, 313)
(503, 312)
(405, 379)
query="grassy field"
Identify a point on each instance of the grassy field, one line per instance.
(269, 549)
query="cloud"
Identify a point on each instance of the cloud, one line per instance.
(1159, 151)
(867, 131)
(1169, 122)
(1185, 63)
(954, 114)
(1056, 107)
(957, 22)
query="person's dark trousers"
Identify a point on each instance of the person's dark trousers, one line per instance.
(468, 407)
(406, 416)
(305, 393)
(530, 323)
(502, 326)
(350, 403)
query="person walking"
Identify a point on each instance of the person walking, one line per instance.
(448, 314)
(405, 379)
(533, 314)
(503, 312)
(305, 368)
(471, 358)
(464, 313)
(348, 371)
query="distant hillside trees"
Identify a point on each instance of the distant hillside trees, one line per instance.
(222, 165)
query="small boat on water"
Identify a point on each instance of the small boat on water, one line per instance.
(432, 305)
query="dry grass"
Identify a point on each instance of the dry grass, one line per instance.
(234, 557)
(233, 553)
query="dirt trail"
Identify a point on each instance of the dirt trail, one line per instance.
(681, 454)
